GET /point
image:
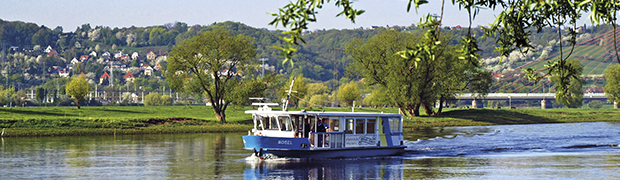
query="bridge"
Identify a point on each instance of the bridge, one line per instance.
(543, 97)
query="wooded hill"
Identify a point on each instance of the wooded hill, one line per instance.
(321, 59)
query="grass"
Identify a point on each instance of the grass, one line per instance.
(479, 117)
(108, 120)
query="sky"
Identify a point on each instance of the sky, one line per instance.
(69, 14)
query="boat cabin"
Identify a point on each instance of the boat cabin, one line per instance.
(329, 130)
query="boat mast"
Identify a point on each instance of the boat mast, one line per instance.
(288, 96)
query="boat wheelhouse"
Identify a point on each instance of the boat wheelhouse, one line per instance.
(304, 134)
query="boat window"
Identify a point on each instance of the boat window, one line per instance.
(359, 126)
(349, 126)
(285, 123)
(334, 125)
(394, 124)
(259, 120)
(273, 123)
(370, 126)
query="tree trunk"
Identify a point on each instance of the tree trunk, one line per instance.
(441, 101)
(428, 109)
(415, 110)
(220, 116)
(77, 103)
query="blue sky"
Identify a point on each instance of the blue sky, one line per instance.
(124, 13)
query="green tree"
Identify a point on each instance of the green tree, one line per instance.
(573, 94)
(166, 100)
(421, 78)
(78, 88)
(349, 93)
(377, 98)
(596, 104)
(152, 99)
(317, 100)
(40, 94)
(253, 87)
(19, 97)
(612, 88)
(511, 29)
(317, 89)
(214, 62)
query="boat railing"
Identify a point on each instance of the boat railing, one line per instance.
(324, 140)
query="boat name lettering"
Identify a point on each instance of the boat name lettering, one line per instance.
(285, 142)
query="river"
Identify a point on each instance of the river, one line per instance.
(540, 151)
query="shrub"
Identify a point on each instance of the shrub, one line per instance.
(166, 100)
(154, 99)
(596, 104)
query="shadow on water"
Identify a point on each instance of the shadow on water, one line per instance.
(496, 116)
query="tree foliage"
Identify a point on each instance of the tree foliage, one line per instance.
(78, 88)
(573, 95)
(419, 80)
(511, 29)
(378, 97)
(213, 63)
(612, 88)
(155, 99)
(349, 93)
(40, 94)
(596, 104)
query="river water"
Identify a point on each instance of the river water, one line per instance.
(541, 151)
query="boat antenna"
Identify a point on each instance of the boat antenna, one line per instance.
(288, 95)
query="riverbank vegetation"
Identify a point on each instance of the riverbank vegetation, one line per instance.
(106, 120)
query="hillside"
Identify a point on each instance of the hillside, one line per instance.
(321, 58)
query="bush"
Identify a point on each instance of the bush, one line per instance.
(596, 104)
(154, 99)
(166, 100)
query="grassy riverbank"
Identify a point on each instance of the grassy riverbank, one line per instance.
(108, 120)
(479, 117)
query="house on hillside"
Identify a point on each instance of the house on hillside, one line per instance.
(157, 67)
(105, 76)
(74, 61)
(48, 49)
(84, 58)
(53, 53)
(148, 70)
(106, 56)
(134, 56)
(129, 77)
(93, 54)
(118, 55)
(151, 56)
(64, 72)
(125, 58)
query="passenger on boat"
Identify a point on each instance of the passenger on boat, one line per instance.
(306, 128)
(322, 126)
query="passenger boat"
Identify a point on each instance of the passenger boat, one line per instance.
(299, 134)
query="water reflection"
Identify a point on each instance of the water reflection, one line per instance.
(542, 151)
(210, 156)
(368, 168)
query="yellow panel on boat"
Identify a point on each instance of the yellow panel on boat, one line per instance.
(381, 134)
